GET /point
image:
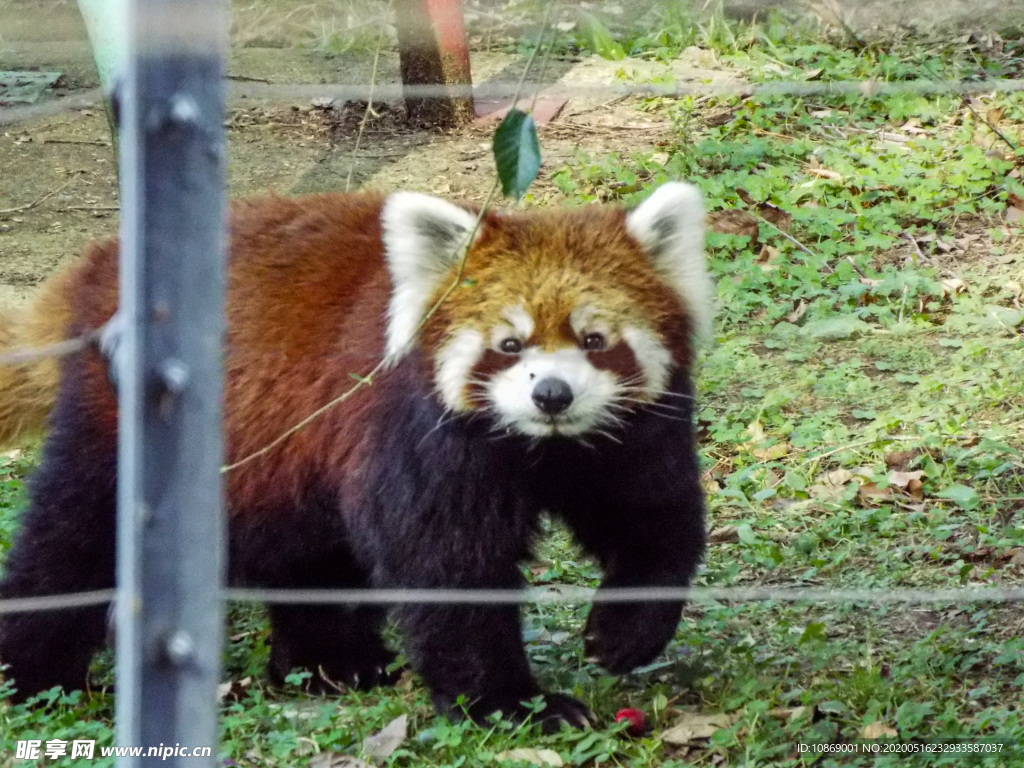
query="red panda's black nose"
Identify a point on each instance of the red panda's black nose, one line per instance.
(552, 396)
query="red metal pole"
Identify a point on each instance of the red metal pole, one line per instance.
(433, 51)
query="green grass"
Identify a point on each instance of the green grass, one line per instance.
(885, 333)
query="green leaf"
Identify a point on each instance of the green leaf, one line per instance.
(516, 153)
(910, 714)
(828, 707)
(964, 496)
(746, 533)
(795, 481)
(815, 630)
(597, 38)
(835, 328)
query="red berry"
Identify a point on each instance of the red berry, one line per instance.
(636, 718)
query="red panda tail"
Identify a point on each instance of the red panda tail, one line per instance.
(28, 389)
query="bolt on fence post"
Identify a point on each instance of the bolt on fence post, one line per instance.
(170, 520)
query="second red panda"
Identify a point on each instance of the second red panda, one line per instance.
(555, 376)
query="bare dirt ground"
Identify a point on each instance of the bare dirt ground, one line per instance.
(58, 179)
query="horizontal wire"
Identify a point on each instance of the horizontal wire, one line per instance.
(396, 91)
(572, 594)
(19, 356)
(555, 594)
(506, 90)
(56, 602)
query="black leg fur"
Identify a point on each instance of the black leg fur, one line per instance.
(444, 506)
(340, 646)
(306, 548)
(639, 508)
(65, 544)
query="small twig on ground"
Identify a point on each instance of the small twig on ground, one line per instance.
(92, 142)
(247, 79)
(825, 265)
(40, 199)
(369, 101)
(991, 126)
(917, 249)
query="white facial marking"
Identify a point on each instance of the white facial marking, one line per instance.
(520, 320)
(587, 319)
(455, 362)
(670, 225)
(519, 326)
(653, 358)
(511, 393)
(424, 237)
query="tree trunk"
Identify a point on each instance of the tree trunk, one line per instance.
(433, 52)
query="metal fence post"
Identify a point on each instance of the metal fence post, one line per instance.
(170, 528)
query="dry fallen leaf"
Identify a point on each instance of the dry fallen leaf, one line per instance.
(953, 286)
(527, 755)
(775, 215)
(830, 485)
(825, 173)
(869, 494)
(900, 460)
(878, 729)
(773, 452)
(727, 534)
(798, 313)
(745, 196)
(767, 257)
(234, 688)
(904, 479)
(695, 726)
(382, 744)
(787, 713)
(734, 221)
(720, 118)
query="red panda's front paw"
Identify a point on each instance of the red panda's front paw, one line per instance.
(622, 637)
(557, 709)
(332, 676)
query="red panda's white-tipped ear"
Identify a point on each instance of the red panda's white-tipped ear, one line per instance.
(424, 237)
(670, 225)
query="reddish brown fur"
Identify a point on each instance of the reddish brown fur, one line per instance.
(298, 324)
(620, 360)
(382, 489)
(27, 390)
(561, 259)
(306, 306)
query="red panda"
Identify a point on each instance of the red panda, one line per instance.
(555, 377)
(28, 389)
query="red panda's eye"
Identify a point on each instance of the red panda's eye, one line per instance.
(511, 346)
(593, 341)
